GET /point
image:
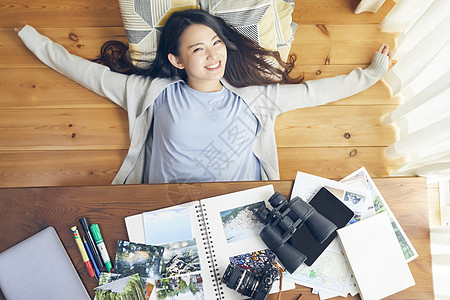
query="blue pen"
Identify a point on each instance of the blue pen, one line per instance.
(91, 257)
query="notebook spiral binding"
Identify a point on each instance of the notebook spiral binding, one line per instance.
(211, 256)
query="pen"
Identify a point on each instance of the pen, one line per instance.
(101, 246)
(84, 255)
(91, 243)
(97, 271)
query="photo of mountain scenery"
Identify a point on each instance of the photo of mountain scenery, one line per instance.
(186, 287)
(132, 258)
(147, 283)
(180, 258)
(241, 223)
(125, 288)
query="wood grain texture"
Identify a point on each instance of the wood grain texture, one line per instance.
(334, 162)
(106, 128)
(82, 41)
(66, 13)
(45, 88)
(60, 13)
(28, 210)
(48, 121)
(59, 168)
(98, 167)
(338, 44)
(332, 126)
(337, 12)
(56, 129)
(313, 44)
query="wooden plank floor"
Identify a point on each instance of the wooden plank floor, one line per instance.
(54, 132)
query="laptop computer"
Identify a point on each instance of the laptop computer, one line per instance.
(40, 268)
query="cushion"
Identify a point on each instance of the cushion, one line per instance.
(268, 22)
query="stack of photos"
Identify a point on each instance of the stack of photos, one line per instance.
(180, 273)
(143, 261)
(180, 276)
(200, 239)
(126, 288)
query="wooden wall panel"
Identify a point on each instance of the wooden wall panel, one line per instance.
(98, 167)
(338, 44)
(82, 41)
(59, 168)
(337, 12)
(45, 88)
(59, 129)
(314, 45)
(334, 126)
(65, 13)
(60, 13)
(334, 162)
(55, 132)
(51, 129)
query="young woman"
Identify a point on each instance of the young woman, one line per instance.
(205, 109)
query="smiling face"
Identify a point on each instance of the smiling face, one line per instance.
(203, 56)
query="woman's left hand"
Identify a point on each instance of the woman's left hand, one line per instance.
(384, 49)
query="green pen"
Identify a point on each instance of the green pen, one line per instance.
(101, 246)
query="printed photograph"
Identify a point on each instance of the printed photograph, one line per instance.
(167, 225)
(147, 283)
(108, 277)
(253, 261)
(356, 203)
(180, 258)
(241, 223)
(132, 258)
(125, 288)
(186, 287)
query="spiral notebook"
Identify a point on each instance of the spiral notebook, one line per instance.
(222, 230)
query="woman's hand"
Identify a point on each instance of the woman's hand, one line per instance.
(18, 29)
(384, 49)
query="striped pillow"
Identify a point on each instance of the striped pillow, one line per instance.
(268, 22)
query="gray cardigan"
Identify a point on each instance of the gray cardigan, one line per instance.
(136, 95)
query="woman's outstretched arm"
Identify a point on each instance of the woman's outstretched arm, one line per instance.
(322, 91)
(95, 77)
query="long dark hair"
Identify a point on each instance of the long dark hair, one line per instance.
(247, 62)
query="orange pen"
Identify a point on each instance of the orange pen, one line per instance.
(83, 252)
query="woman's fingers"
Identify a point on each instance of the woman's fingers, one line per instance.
(18, 29)
(384, 49)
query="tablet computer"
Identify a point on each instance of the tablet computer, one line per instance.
(40, 268)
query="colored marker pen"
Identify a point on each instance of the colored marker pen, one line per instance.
(88, 250)
(84, 224)
(83, 253)
(101, 246)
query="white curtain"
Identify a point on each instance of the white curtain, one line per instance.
(421, 76)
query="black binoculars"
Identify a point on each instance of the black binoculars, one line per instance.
(281, 223)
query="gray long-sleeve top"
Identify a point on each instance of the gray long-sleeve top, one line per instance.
(136, 94)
